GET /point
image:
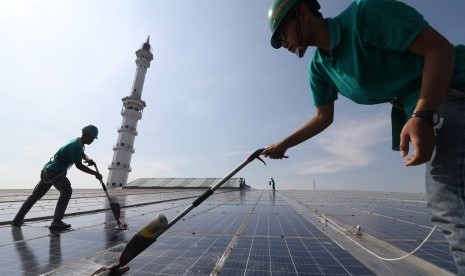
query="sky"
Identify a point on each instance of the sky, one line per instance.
(215, 92)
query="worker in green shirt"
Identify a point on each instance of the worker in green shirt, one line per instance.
(381, 51)
(54, 173)
(272, 183)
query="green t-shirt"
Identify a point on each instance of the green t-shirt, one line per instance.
(66, 156)
(370, 62)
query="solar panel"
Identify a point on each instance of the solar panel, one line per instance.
(233, 232)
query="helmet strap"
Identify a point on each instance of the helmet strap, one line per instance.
(300, 51)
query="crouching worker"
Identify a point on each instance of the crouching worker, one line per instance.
(54, 173)
(378, 52)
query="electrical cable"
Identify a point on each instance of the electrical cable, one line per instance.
(336, 226)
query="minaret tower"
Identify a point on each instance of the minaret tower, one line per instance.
(132, 113)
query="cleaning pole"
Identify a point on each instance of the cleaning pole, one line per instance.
(114, 205)
(149, 234)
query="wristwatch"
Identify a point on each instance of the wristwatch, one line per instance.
(431, 116)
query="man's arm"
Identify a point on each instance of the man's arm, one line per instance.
(86, 169)
(87, 160)
(439, 59)
(319, 122)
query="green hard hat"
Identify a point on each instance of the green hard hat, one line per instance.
(279, 10)
(90, 130)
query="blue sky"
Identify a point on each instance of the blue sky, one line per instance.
(216, 91)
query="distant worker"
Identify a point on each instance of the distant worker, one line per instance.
(54, 173)
(272, 183)
(241, 183)
(386, 52)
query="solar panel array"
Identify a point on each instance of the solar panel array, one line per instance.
(232, 233)
(400, 219)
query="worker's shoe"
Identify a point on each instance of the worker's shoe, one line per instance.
(16, 224)
(58, 224)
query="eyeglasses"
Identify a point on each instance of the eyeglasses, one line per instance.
(282, 29)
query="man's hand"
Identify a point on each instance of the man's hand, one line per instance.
(421, 134)
(89, 162)
(98, 176)
(275, 151)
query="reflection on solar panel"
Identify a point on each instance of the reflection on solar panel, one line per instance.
(232, 233)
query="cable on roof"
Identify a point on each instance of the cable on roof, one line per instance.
(336, 227)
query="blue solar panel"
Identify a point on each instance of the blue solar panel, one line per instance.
(234, 232)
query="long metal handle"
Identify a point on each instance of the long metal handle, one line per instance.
(101, 181)
(117, 268)
(115, 208)
(209, 192)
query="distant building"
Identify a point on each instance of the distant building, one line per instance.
(185, 183)
(131, 111)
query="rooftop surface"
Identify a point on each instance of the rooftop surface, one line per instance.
(253, 232)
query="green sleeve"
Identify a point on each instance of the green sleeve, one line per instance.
(76, 153)
(322, 91)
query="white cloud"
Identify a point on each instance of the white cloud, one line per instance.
(348, 145)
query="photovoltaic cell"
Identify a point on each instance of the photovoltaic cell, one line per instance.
(235, 232)
(400, 219)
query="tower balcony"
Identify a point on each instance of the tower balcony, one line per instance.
(128, 129)
(120, 168)
(131, 113)
(134, 102)
(129, 148)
